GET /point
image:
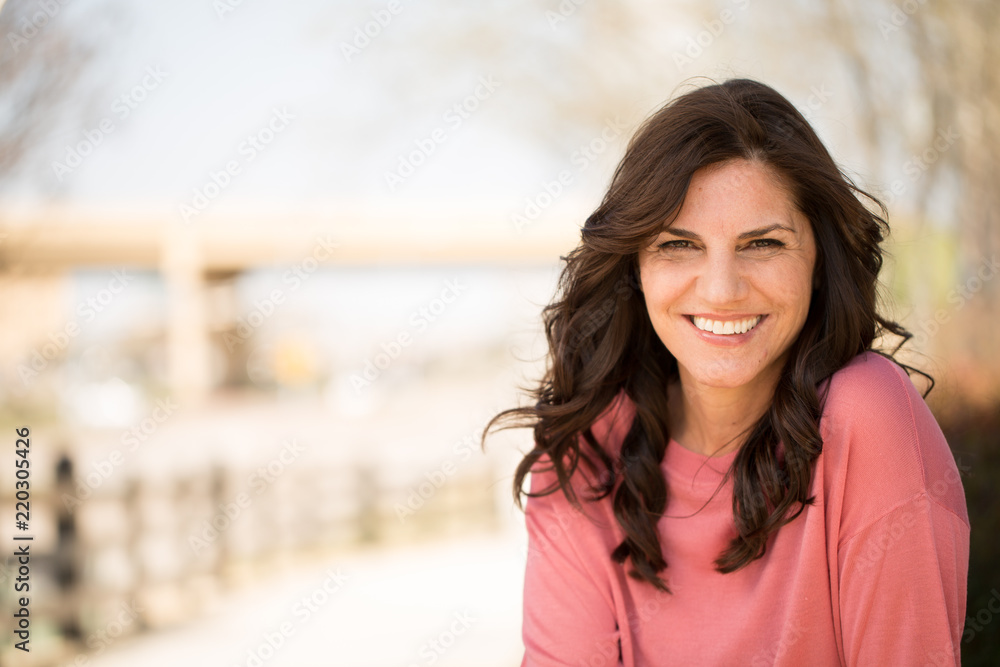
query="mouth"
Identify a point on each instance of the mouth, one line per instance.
(726, 327)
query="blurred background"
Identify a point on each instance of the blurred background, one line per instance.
(266, 270)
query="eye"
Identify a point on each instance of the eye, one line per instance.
(676, 244)
(765, 244)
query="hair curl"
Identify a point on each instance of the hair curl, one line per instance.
(601, 341)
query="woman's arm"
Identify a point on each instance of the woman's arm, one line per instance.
(903, 587)
(903, 548)
(569, 614)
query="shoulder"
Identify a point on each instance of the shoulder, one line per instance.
(872, 393)
(869, 370)
(609, 430)
(882, 445)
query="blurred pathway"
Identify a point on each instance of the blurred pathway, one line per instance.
(450, 604)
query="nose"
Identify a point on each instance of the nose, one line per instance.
(722, 282)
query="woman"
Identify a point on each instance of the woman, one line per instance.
(724, 471)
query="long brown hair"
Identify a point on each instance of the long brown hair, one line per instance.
(601, 341)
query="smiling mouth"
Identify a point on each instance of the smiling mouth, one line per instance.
(726, 327)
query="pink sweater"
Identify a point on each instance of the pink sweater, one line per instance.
(874, 573)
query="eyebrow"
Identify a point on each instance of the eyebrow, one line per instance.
(753, 233)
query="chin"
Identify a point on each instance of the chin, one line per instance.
(724, 382)
(725, 376)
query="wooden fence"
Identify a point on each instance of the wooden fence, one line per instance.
(156, 551)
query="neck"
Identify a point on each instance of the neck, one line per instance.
(716, 420)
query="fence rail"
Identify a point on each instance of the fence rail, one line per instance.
(156, 551)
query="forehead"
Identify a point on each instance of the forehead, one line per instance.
(735, 195)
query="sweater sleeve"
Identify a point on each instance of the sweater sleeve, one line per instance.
(569, 613)
(903, 551)
(903, 586)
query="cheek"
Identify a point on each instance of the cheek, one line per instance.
(647, 283)
(660, 291)
(790, 284)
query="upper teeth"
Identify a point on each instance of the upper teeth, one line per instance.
(728, 327)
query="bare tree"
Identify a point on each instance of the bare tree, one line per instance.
(42, 59)
(943, 55)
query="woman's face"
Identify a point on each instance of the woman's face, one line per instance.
(728, 284)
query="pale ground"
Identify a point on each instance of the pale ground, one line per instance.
(388, 610)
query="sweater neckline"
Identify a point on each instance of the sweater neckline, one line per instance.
(699, 468)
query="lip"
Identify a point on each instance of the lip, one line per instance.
(724, 317)
(725, 340)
